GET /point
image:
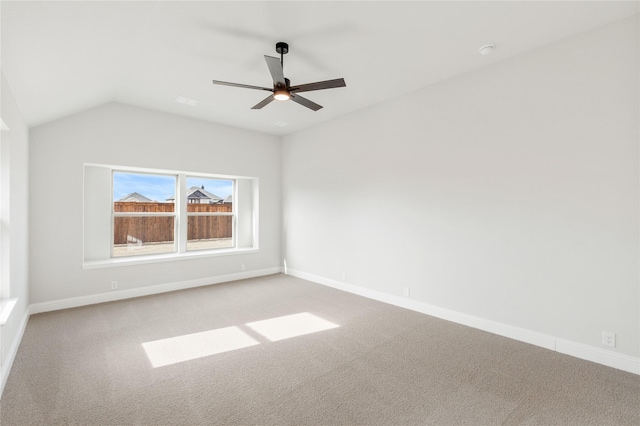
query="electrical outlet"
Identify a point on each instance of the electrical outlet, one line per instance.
(609, 339)
(114, 285)
(406, 291)
(242, 267)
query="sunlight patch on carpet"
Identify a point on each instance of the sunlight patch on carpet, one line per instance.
(197, 345)
(288, 326)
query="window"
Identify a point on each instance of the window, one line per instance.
(154, 215)
(144, 217)
(210, 216)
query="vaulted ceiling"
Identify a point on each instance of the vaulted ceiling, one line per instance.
(64, 57)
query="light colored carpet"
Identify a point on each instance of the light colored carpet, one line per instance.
(382, 365)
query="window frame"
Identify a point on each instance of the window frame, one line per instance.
(233, 213)
(115, 214)
(97, 228)
(180, 213)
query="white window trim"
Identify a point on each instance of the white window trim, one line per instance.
(159, 258)
(181, 212)
(173, 214)
(6, 307)
(233, 213)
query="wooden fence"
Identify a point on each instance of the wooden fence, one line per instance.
(158, 229)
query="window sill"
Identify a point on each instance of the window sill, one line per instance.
(6, 306)
(140, 260)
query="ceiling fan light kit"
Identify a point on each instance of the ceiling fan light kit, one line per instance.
(282, 89)
(281, 95)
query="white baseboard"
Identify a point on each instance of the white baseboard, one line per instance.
(597, 355)
(75, 302)
(575, 349)
(13, 351)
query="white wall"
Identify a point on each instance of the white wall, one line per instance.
(121, 135)
(510, 193)
(14, 272)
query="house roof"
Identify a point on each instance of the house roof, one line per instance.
(135, 197)
(196, 192)
(61, 58)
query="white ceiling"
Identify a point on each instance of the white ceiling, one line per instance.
(64, 57)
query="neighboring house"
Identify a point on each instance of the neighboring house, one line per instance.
(228, 200)
(134, 197)
(198, 195)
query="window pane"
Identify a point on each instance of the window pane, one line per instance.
(143, 188)
(209, 191)
(209, 232)
(143, 235)
(143, 193)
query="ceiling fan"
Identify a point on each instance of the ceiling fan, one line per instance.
(282, 89)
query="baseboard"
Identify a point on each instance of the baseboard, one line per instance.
(13, 351)
(597, 355)
(575, 349)
(93, 299)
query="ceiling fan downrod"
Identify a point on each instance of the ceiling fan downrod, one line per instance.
(282, 48)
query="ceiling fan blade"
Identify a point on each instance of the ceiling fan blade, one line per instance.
(264, 102)
(275, 68)
(245, 86)
(329, 84)
(305, 102)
